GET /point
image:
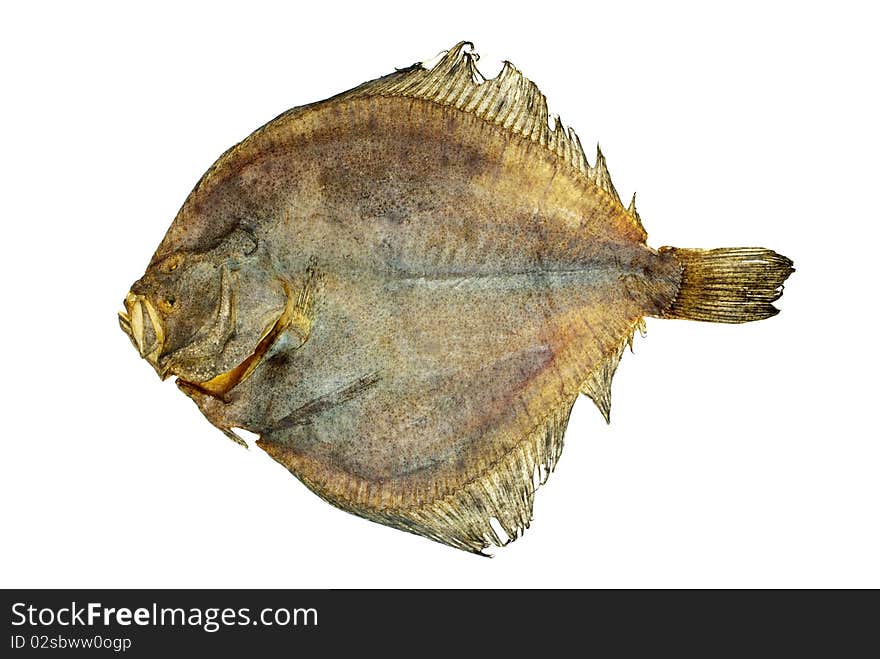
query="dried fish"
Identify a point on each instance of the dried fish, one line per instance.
(403, 289)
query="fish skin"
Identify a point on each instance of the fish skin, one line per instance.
(472, 278)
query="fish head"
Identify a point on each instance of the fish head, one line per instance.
(198, 314)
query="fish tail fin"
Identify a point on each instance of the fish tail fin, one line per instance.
(728, 285)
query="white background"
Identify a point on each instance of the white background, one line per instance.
(737, 455)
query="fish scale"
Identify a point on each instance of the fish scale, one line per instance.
(404, 288)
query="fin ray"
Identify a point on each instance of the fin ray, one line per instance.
(597, 386)
(728, 285)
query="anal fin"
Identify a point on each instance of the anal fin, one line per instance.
(598, 385)
(503, 491)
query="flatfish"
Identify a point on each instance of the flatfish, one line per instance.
(404, 288)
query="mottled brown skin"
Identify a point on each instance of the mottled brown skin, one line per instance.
(475, 279)
(465, 282)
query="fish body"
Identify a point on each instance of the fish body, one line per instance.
(403, 289)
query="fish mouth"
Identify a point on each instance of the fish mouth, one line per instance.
(144, 327)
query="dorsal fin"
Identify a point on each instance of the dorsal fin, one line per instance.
(634, 214)
(510, 100)
(602, 176)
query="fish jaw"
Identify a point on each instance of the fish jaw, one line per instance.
(143, 325)
(292, 318)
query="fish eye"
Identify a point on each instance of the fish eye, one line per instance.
(173, 262)
(166, 304)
